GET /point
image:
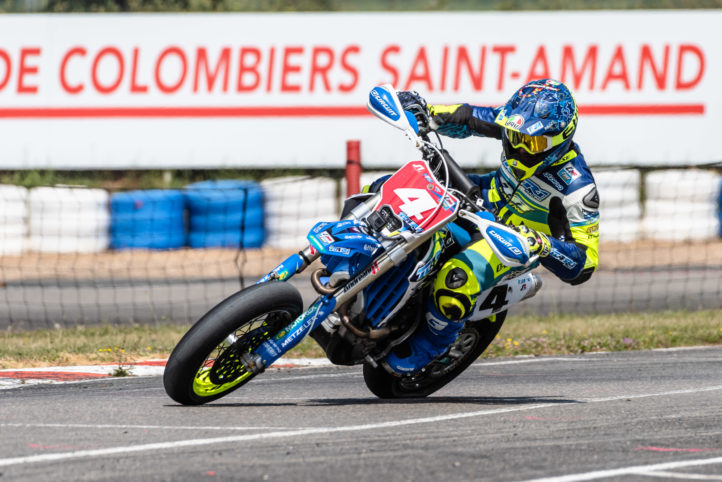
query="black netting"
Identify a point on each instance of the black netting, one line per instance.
(85, 256)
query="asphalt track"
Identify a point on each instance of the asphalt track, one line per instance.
(35, 304)
(610, 416)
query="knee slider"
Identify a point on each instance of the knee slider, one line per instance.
(455, 290)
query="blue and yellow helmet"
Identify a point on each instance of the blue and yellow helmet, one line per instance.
(538, 124)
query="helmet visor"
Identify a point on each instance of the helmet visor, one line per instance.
(531, 144)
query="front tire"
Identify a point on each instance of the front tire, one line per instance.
(206, 364)
(473, 339)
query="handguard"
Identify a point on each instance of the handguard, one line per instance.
(508, 245)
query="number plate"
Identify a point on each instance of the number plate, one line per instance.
(414, 194)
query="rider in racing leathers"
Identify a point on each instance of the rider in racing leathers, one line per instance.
(543, 188)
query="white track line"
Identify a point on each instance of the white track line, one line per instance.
(357, 428)
(647, 395)
(482, 364)
(259, 436)
(680, 475)
(635, 470)
(139, 427)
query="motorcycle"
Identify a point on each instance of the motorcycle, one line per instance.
(379, 261)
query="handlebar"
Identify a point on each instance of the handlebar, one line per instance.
(459, 179)
(457, 176)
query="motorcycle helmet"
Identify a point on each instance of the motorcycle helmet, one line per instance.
(538, 124)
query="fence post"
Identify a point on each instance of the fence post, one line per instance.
(353, 167)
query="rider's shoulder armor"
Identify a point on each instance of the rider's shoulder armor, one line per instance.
(572, 178)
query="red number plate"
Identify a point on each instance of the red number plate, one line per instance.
(414, 194)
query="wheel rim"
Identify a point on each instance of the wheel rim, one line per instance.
(223, 369)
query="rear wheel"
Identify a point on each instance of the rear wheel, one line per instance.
(207, 362)
(473, 339)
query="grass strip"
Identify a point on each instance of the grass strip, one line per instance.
(520, 335)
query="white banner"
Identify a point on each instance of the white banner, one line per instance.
(273, 90)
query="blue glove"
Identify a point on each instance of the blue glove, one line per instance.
(411, 101)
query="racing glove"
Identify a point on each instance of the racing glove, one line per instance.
(451, 120)
(538, 242)
(411, 100)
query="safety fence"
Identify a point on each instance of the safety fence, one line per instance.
(73, 255)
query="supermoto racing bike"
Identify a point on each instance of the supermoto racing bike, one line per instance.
(378, 262)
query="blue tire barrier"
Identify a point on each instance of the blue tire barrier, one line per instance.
(153, 222)
(207, 201)
(148, 240)
(250, 238)
(225, 184)
(204, 202)
(146, 202)
(151, 219)
(233, 221)
(225, 214)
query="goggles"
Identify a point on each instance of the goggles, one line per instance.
(531, 144)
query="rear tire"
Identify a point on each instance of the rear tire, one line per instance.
(205, 365)
(473, 339)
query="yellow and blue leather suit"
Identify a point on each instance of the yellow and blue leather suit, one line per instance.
(560, 201)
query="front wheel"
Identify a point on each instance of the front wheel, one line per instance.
(206, 364)
(473, 339)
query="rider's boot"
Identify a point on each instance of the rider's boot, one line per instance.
(433, 339)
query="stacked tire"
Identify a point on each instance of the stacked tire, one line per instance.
(148, 219)
(225, 214)
(13, 219)
(294, 204)
(620, 208)
(68, 220)
(682, 205)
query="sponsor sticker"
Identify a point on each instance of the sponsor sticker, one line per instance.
(336, 249)
(567, 262)
(535, 127)
(535, 191)
(569, 174)
(505, 242)
(589, 214)
(409, 222)
(325, 237)
(565, 176)
(573, 172)
(515, 121)
(553, 180)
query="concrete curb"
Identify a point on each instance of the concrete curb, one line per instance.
(17, 377)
